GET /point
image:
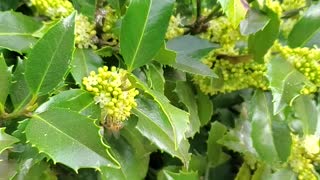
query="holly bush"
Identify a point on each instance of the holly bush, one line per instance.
(159, 89)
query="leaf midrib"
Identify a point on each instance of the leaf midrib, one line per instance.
(70, 137)
(141, 37)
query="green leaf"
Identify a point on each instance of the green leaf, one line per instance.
(253, 23)
(7, 5)
(305, 109)
(76, 100)
(49, 60)
(260, 42)
(5, 80)
(186, 96)
(85, 61)
(143, 29)
(164, 125)
(286, 174)
(205, 108)
(7, 166)
(106, 51)
(155, 77)
(69, 138)
(16, 31)
(285, 84)
(130, 149)
(37, 171)
(172, 173)
(86, 7)
(189, 56)
(6, 140)
(165, 56)
(270, 135)
(300, 35)
(244, 172)
(214, 150)
(235, 10)
(198, 163)
(19, 90)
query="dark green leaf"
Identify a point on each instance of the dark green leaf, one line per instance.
(260, 42)
(76, 100)
(39, 171)
(6, 140)
(49, 60)
(143, 29)
(305, 109)
(5, 80)
(163, 129)
(172, 173)
(189, 56)
(285, 83)
(85, 61)
(186, 96)
(19, 90)
(214, 150)
(253, 23)
(300, 35)
(165, 56)
(205, 108)
(130, 149)
(8, 5)
(155, 77)
(86, 7)
(270, 135)
(106, 51)
(69, 138)
(16, 31)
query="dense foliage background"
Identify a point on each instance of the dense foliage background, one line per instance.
(159, 89)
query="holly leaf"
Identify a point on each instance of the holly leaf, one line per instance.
(84, 61)
(270, 134)
(16, 31)
(86, 7)
(155, 77)
(5, 80)
(81, 146)
(49, 60)
(143, 29)
(285, 84)
(205, 108)
(164, 125)
(165, 56)
(300, 35)
(19, 90)
(189, 57)
(186, 96)
(253, 23)
(172, 172)
(75, 100)
(131, 151)
(214, 150)
(306, 111)
(6, 140)
(260, 42)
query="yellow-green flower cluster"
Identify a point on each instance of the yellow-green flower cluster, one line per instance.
(113, 92)
(221, 31)
(305, 60)
(304, 154)
(85, 32)
(288, 5)
(53, 8)
(232, 75)
(275, 6)
(174, 29)
(108, 24)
